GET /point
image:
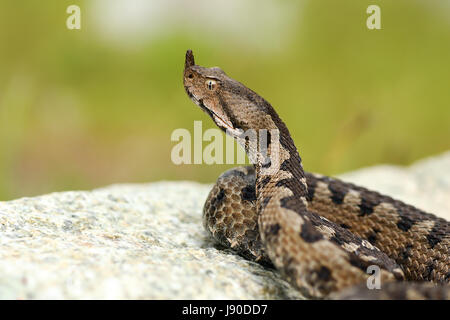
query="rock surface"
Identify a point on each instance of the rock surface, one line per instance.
(147, 241)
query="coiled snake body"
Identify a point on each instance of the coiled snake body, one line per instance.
(321, 233)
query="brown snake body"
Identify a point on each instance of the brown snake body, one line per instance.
(321, 233)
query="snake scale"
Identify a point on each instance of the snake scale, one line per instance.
(322, 234)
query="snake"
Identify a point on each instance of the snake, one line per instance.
(328, 238)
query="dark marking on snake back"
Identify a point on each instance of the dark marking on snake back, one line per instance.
(264, 182)
(324, 274)
(434, 237)
(372, 238)
(292, 203)
(248, 193)
(368, 203)
(338, 192)
(312, 184)
(274, 229)
(405, 223)
(286, 183)
(309, 233)
(217, 200)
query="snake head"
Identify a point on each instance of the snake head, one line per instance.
(233, 107)
(204, 86)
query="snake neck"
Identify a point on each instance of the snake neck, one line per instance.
(283, 174)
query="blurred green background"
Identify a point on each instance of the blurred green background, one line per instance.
(85, 108)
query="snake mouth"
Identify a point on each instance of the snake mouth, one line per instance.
(220, 122)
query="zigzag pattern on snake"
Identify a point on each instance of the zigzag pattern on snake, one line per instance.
(321, 233)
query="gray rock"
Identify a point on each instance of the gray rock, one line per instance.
(147, 241)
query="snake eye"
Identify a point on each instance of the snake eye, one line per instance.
(190, 76)
(211, 84)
